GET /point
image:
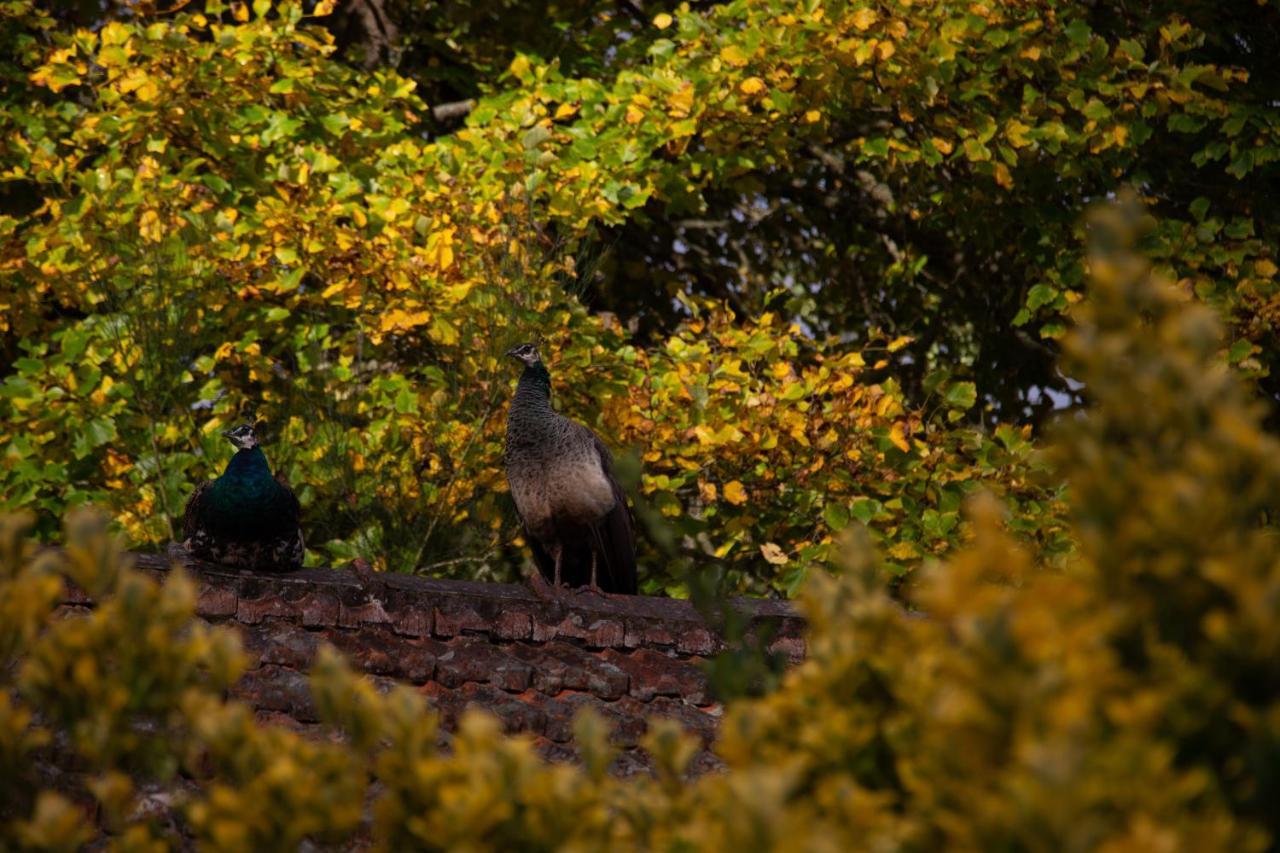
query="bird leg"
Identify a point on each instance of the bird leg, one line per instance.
(594, 587)
(559, 555)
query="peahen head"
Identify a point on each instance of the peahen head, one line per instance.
(244, 437)
(526, 353)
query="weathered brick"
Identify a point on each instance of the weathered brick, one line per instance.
(561, 753)
(654, 634)
(559, 666)
(451, 620)
(560, 711)
(277, 688)
(476, 661)
(702, 722)
(516, 714)
(792, 648)
(318, 609)
(585, 671)
(286, 644)
(73, 594)
(216, 602)
(251, 611)
(411, 621)
(593, 631)
(656, 674)
(513, 625)
(368, 612)
(381, 652)
(697, 641)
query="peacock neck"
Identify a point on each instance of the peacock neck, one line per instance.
(248, 464)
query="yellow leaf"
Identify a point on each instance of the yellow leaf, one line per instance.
(942, 145)
(1120, 134)
(1264, 268)
(398, 320)
(885, 49)
(904, 551)
(898, 435)
(707, 491)
(734, 493)
(752, 85)
(443, 332)
(149, 227)
(519, 66)
(662, 21)
(1003, 178)
(773, 553)
(440, 248)
(812, 116)
(1032, 53)
(634, 114)
(681, 101)
(1016, 131)
(733, 55)
(899, 342)
(864, 18)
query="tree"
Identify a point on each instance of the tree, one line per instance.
(334, 258)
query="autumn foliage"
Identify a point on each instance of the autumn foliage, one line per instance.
(210, 214)
(1123, 700)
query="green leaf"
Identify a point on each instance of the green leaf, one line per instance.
(961, 395)
(1041, 295)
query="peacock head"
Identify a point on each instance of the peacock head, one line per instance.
(526, 353)
(243, 436)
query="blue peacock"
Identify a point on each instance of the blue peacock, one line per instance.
(246, 518)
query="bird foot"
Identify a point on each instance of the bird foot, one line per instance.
(591, 589)
(371, 584)
(178, 553)
(544, 589)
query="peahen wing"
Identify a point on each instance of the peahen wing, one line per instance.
(546, 565)
(615, 536)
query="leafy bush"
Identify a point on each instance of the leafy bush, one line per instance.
(1125, 699)
(179, 249)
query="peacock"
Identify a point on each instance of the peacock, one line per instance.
(246, 518)
(574, 512)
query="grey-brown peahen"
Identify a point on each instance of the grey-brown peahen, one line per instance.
(246, 518)
(574, 512)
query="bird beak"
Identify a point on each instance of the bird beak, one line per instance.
(226, 433)
(511, 353)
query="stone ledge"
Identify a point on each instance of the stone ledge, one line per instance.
(530, 661)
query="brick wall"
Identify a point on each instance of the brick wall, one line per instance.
(530, 661)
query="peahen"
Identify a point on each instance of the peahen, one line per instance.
(246, 518)
(561, 476)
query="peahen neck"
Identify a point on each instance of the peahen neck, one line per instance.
(534, 389)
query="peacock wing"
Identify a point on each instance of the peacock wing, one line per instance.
(195, 508)
(292, 509)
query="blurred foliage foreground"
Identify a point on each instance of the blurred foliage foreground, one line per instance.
(1125, 701)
